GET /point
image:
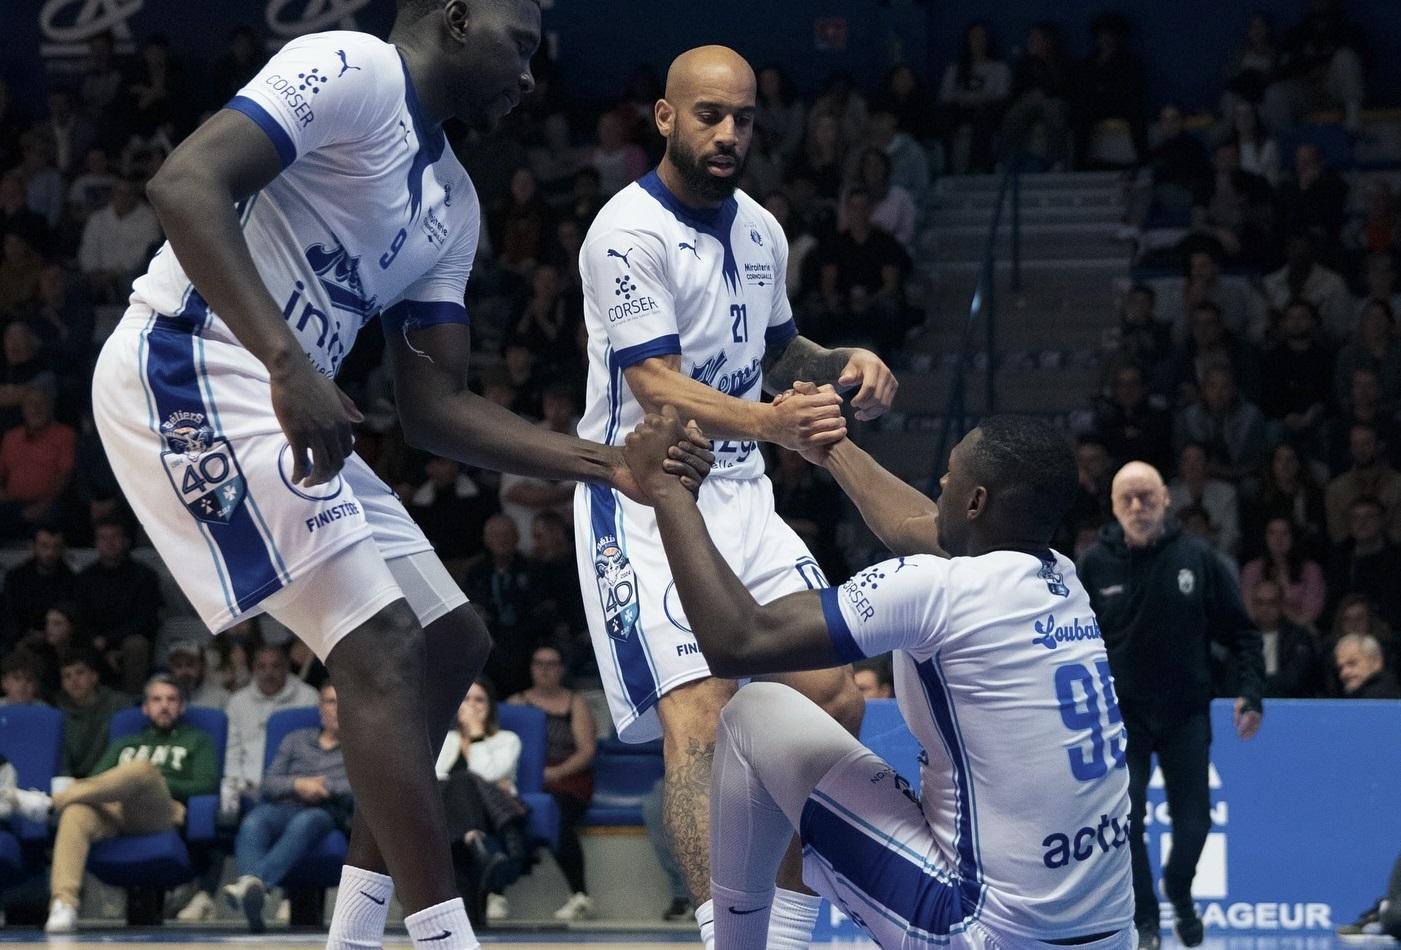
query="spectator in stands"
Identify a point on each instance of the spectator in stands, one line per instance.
(522, 372)
(63, 321)
(1379, 276)
(140, 786)
(550, 317)
(1373, 346)
(618, 161)
(840, 98)
(119, 602)
(1356, 613)
(36, 465)
(1259, 152)
(1040, 99)
(1193, 486)
(25, 365)
(43, 184)
(451, 508)
(521, 224)
(780, 111)
(873, 678)
(1130, 425)
(235, 648)
(1291, 660)
(60, 629)
(100, 87)
(909, 164)
(1363, 404)
(554, 584)
(1370, 477)
(1377, 229)
(88, 707)
(21, 674)
(863, 269)
(1175, 170)
(523, 497)
(1251, 68)
(1203, 284)
(587, 198)
(1209, 344)
(1233, 211)
(892, 207)
(904, 94)
(1197, 523)
(1283, 563)
(156, 105)
(1231, 428)
(1315, 199)
(20, 264)
(240, 62)
(66, 133)
(305, 796)
(570, 744)
(1361, 670)
(801, 243)
(972, 97)
(477, 772)
(15, 214)
(1091, 506)
(116, 241)
(250, 707)
(1366, 562)
(1298, 371)
(499, 586)
(823, 155)
(1110, 86)
(1322, 69)
(42, 580)
(1286, 488)
(188, 667)
(1143, 338)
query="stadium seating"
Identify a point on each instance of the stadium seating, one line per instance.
(31, 738)
(542, 825)
(624, 773)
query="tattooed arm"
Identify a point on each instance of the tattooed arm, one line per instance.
(801, 359)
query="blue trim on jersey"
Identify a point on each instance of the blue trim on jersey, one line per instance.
(174, 382)
(842, 641)
(931, 678)
(634, 667)
(286, 151)
(717, 222)
(418, 314)
(915, 894)
(431, 143)
(780, 335)
(615, 397)
(669, 345)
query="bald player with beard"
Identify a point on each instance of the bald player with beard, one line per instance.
(685, 304)
(1161, 598)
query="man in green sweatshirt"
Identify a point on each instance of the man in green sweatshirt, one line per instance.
(88, 707)
(139, 786)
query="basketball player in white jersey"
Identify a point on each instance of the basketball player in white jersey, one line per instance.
(1019, 837)
(323, 195)
(685, 303)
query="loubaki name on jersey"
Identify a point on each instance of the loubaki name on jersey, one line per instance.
(629, 309)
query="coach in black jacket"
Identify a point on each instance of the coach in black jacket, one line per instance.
(1160, 598)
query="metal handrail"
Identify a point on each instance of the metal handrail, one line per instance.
(984, 304)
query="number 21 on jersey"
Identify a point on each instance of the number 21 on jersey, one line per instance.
(1081, 694)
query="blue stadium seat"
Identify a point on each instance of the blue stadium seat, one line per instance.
(624, 773)
(12, 864)
(306, 883)
(31, 737)
(154, 862)
(542, 825)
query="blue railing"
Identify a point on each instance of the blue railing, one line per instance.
(984, 305)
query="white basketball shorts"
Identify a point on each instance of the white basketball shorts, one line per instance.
(640, 634)
(188, 427)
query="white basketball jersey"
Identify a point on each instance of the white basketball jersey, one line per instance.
(371, 208)
(662, 279)
(1003, 679)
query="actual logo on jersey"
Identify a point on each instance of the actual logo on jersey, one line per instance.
(755, 236)
(187, 433)
(1055, 581)
(209, 482)
(1186, 581)
(1109, 834)
(617, 588)
(1048, 633)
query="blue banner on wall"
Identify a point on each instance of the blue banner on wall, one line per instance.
(1306, 817)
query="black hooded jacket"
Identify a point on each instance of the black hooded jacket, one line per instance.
(1159, 608)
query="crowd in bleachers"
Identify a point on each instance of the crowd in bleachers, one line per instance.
(1256, 362)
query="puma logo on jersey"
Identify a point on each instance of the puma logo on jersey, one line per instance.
(684, 246)
(621, 257)
(345, 66)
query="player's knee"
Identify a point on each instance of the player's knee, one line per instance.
(751, 704)
(382, 656)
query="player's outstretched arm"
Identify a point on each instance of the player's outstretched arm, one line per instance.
(811, 421)
(800, 359)
(226, 160)
(904, 518)
(738, 636)
(441, 415)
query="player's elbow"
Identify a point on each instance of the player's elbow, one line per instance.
(420, 428)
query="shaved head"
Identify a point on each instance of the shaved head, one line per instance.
(707, 119)
(707, 66)
(1140, 501)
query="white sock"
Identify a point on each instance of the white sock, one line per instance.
(792, 919)
(705, 917)
(442, 927)
(362, 904)
(741, 918)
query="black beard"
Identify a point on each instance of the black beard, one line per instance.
(699, 181)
